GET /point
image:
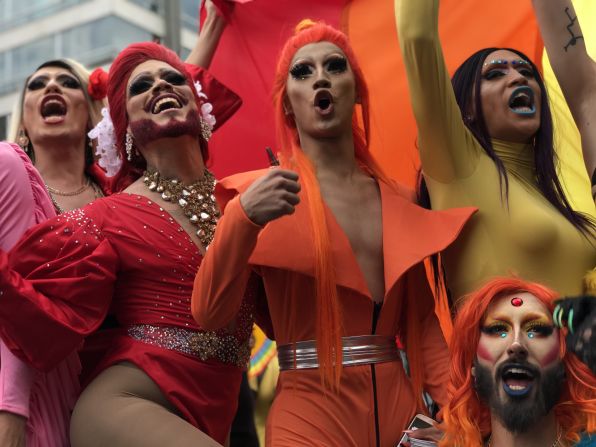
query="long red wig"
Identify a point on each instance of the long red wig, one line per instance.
(120, 71)
(466, 418)
(328, 324)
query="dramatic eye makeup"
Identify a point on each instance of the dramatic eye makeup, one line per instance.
(527, 72)
(37, 83)
(173, 77)
(538, 328)
(496, 329)
(63, 80)
(498, 67)
(301, 70)
(336, 64)
(493, 74)
(69, 81)
(140, 85)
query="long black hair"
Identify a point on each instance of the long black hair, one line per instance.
(466, 85)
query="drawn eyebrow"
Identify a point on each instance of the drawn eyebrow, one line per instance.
(530, 318)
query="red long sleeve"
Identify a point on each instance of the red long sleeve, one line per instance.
(55, 288)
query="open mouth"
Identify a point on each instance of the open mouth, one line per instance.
(323, 102)
(53, 108)
(517, 380)
(521, 101)
(163, 103)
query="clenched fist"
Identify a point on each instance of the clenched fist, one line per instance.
(272, 196)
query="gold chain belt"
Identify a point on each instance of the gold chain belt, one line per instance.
(206, 345)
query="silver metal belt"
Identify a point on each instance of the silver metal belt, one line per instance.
(356, 350)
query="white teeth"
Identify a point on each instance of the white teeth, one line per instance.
(164, 101)
(517, 387)
(517, 371)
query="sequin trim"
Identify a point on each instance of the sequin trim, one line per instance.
(206, 345)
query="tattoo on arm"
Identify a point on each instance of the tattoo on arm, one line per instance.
(573, 39)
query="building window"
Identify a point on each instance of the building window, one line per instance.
(4, 127)
(18, 12)
(92, 44)
(151, 5)
(189, 14)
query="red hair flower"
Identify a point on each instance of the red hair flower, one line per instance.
(98, 84)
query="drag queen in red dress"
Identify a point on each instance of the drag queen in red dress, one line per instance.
(134, 255)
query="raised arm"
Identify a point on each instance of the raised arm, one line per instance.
(574, 68)
(447, 149)
(211, 30)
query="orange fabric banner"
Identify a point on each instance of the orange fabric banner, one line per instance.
(465, 26)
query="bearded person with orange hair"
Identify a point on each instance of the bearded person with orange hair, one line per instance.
(339, 249)
(513, 381)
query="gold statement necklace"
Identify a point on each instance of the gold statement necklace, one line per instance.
(197, 200)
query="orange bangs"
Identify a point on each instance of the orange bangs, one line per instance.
(466, 419)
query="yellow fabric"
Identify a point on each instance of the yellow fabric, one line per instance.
(264, 387)
(567, 140)
(523, 235)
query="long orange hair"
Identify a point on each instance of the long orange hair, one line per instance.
(466, 419)
(328, 324)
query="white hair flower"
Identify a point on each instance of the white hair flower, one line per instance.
(109, 159)
(206, 109)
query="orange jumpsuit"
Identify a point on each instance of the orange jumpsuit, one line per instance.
(372, 398)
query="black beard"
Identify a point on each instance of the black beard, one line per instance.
(519, 414)
(145, 131)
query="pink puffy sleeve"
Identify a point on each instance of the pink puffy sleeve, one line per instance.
(23, 203)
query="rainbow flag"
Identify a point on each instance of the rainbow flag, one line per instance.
(262, 352)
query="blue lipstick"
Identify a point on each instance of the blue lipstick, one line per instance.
(522, 97)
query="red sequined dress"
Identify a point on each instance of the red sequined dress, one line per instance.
(126, 256)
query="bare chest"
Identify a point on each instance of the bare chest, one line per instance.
(358, 213)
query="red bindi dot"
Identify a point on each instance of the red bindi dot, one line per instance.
(517, 301)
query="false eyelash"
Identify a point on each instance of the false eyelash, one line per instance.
(494, 329)
(300, 71)
(175, 78)
(36, 84)
(71, 83)
(139, 86)
(493, 74)
(540, 328)
(337, 64)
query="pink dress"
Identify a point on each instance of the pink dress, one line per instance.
(46, 400)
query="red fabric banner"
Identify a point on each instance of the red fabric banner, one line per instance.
(247, 54)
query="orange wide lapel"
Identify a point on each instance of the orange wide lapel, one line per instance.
(287, 244)
(412, 233)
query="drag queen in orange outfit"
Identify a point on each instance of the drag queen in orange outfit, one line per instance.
(339, 248)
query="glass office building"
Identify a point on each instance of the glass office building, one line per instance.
(90, 31)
